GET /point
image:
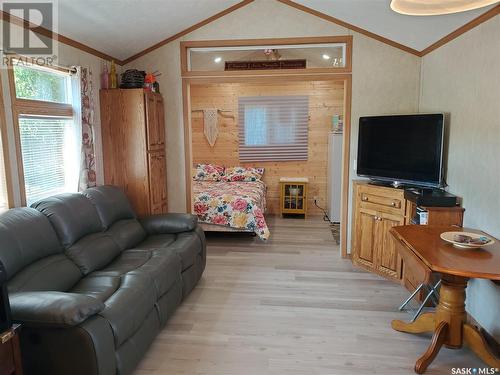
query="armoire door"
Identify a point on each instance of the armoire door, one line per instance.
(160, 119)
(154, 121)
(157, 182)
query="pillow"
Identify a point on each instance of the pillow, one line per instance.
(208, 172)
(243, 174)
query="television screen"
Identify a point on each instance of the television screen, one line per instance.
(403, 148)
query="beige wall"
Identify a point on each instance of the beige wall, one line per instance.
(462, 78)
(385, 79)
(68, 56)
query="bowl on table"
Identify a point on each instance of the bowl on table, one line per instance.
(467, 240)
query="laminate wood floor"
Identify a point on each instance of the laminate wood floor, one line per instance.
(289, 306)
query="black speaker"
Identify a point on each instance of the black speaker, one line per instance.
(5, 317)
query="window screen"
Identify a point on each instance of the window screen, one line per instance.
(273, 128)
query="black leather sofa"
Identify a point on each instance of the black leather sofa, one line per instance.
(91, 283)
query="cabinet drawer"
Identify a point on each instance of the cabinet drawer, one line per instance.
(371, 200)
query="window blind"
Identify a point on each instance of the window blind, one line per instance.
(4, 201)
(273, 128)
(44, 143)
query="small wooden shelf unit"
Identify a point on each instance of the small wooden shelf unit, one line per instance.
(376, 210)
(293, 196)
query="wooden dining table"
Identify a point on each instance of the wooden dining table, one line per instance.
(449, 321)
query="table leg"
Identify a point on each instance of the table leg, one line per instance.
(424, 323)
(446, 322)
(437, 342)
(451, 308)
(476, 342)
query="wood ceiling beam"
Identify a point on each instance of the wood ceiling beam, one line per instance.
(495, 11)
(448, 38)
(350, 26)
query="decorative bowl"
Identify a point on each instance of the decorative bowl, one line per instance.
(467, 240)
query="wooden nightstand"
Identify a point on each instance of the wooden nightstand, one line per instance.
(10, 352)
(293, 196)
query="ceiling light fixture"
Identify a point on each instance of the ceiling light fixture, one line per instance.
(326, 57)
(217, 60)
(437, 7)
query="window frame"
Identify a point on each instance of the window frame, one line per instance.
(185, 46)
(29, 107)
(5, 149)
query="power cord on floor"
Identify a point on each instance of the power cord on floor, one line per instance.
(325, 214)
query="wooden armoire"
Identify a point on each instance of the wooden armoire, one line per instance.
(133, 143)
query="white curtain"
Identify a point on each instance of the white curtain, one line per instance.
(73, 146)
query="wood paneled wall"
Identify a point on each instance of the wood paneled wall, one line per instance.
(326, 98)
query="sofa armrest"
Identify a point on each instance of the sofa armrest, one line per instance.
(169, 223)
(55, 309)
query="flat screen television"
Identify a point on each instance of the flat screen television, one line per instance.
(402, 149)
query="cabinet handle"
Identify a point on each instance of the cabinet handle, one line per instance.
(365, 199)
(393, 204)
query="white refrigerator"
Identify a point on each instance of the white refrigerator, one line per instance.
(334, 182)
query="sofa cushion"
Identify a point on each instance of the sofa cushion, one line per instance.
(100, 287)
(93, 252)
(52, 273)
(25, 236)
(127, 261)
(72, 216)
(186, 245)
(111, 204)
(157, 241)
(126, 233)
(162, 267)
(128, 307)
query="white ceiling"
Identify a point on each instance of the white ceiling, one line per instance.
(417, 32)
(122, 28)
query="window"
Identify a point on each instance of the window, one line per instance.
(317, 54)
(273, 128)
(47, 130)
(38, 84)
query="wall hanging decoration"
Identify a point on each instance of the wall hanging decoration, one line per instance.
(210, 128)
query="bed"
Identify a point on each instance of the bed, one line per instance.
(231, 206)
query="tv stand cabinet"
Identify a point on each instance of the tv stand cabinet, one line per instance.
(376, 210)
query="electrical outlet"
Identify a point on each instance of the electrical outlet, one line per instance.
(315, 198)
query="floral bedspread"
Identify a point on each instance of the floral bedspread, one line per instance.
(238, 204)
